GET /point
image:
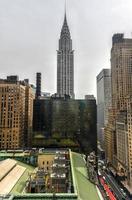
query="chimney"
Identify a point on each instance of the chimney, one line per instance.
(38, 85)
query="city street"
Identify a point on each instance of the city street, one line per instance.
(114, 186)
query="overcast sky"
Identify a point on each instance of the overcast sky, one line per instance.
(30, 29)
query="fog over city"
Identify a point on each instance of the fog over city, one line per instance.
(30, 29)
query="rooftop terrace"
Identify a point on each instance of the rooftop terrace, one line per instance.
(83, 188)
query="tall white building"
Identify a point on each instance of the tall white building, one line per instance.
(65, 63)
(103, 102)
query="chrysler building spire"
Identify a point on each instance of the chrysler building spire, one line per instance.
(65, 29)
(65, 62)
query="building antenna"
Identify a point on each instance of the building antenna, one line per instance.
(65, 7)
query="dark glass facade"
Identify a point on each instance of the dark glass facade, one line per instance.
(65, 122)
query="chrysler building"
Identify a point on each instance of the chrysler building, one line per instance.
(65, 63)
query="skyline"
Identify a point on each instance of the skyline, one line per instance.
(29, 32)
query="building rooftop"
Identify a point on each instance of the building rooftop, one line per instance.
(13, 176)
(13, 154)
(19, 186)
(83, 188)
(5, 167)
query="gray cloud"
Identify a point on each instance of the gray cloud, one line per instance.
(30, 29)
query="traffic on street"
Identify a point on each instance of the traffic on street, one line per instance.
(110, 186)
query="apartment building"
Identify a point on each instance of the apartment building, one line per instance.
(16, 108)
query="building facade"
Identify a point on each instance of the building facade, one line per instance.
(65, 63)
(65, 122)
(122, 143)
(103, 102)
(29, 97)
(119, 125)
(16, 109)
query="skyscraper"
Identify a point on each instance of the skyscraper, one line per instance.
(65, 63)
(118, 132)
(103, 102)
